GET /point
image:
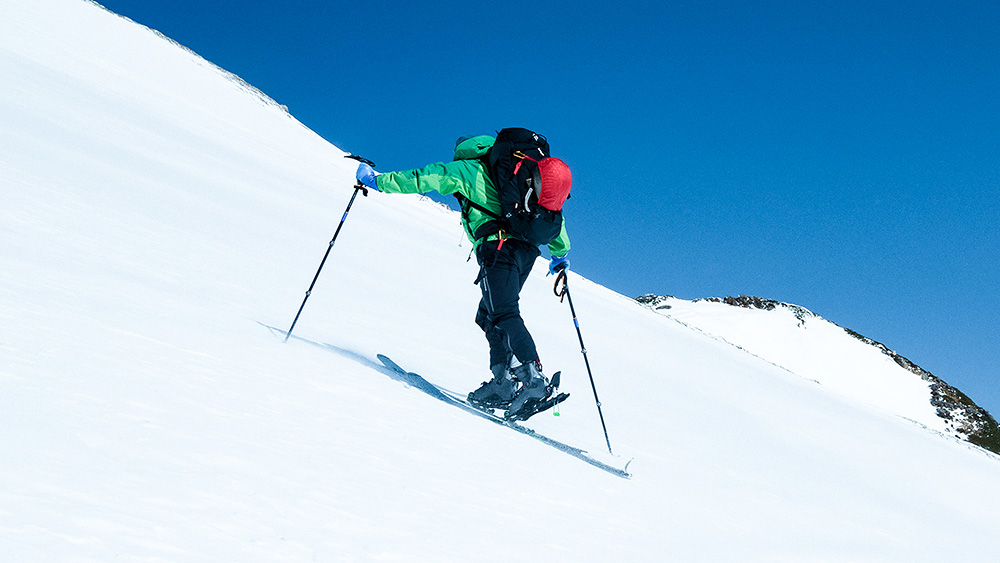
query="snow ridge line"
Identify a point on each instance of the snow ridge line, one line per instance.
(724, 341)
(235, 79)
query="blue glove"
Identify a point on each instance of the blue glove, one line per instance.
(558, 264)
(366, 176)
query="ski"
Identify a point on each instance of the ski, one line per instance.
(418, 382)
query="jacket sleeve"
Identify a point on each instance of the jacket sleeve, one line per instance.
(444, 178)
(560, 246)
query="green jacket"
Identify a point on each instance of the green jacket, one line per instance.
(467, 176)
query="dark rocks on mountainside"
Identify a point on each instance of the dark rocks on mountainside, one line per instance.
(963, 415)
(653, 301)
(751, 302)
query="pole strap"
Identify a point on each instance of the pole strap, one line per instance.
(561, 291)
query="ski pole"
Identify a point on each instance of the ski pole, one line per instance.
(357, 187)
(564, 292)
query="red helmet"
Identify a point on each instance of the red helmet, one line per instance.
(556, 182)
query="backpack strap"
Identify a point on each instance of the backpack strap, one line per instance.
(467, 203)
(490, 227)
(534, 180)
(486, 229)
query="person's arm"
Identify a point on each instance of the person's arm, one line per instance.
(444, 178)
(560, 245)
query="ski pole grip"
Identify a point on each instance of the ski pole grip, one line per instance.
(360, 159)
(359, 185)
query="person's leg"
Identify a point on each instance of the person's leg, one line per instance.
(504, 274)
(500, 353)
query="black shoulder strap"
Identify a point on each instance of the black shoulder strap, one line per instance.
(466, 203)
(486, 229)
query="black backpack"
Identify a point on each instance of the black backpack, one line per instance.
(512, 164)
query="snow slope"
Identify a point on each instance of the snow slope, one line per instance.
(158, 214)
(813, 348)
(843, 361)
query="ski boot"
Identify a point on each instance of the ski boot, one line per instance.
(535, 389)
(496, 393)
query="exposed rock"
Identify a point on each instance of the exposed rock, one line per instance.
(751, 302)
(654, 301)
(961, 413)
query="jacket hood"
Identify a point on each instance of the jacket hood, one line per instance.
(471, 148)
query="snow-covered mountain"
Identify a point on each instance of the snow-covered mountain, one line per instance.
(840, 359)
(159, 215)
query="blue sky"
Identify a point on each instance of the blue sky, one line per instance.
(841, 156)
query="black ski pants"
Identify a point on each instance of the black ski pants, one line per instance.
(502, 273)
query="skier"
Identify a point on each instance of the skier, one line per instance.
(505, 261)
